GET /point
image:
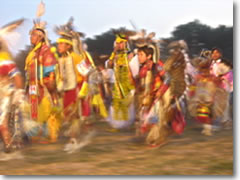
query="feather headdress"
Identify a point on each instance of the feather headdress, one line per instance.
(68, 30)
(69, 35)
(40, 10)
(203, 61)
(123, 34)
(176, 46)
(141, 39)
(38, 24)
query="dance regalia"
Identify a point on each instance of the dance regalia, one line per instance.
(40, 80)
(219, 69)
(95, 92)
(222, 70)
(72, 83)
(161, 87)
(91, 99)
(121, 113)
(152, 79)
(168, 87)
(8, 95)
(89, 91)
(15, 120)
(40, 67)
(74, 66)
(206, 89)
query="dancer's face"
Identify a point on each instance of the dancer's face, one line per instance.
(120, 46)
(216, 55)
(36, 37)
(142, 57)
(63, 47)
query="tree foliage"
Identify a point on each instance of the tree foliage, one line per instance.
(199, 36)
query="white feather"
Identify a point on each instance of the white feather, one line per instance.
(134, 66)
(151, 35)
(74, 145)
(137, 36)
(40, 9)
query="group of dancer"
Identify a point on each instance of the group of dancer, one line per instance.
(64, 88)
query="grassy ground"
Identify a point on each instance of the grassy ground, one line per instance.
(119, 153)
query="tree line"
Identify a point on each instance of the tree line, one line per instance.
(197, 35)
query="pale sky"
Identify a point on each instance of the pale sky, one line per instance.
(94, 17)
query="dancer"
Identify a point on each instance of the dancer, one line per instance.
(11, 92)
(121, 113)
(206, 88)
(161, 89)
(41, 81)
(75, 66)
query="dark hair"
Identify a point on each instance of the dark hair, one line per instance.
(39, 29)
(227, 62)
(218, 49)
(146, 50)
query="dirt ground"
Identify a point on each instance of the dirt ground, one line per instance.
(119, 153)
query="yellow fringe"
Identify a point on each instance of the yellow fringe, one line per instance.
(53, 123)
(44, 110)
(84, 90)
(98, 102)
(30, 56)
